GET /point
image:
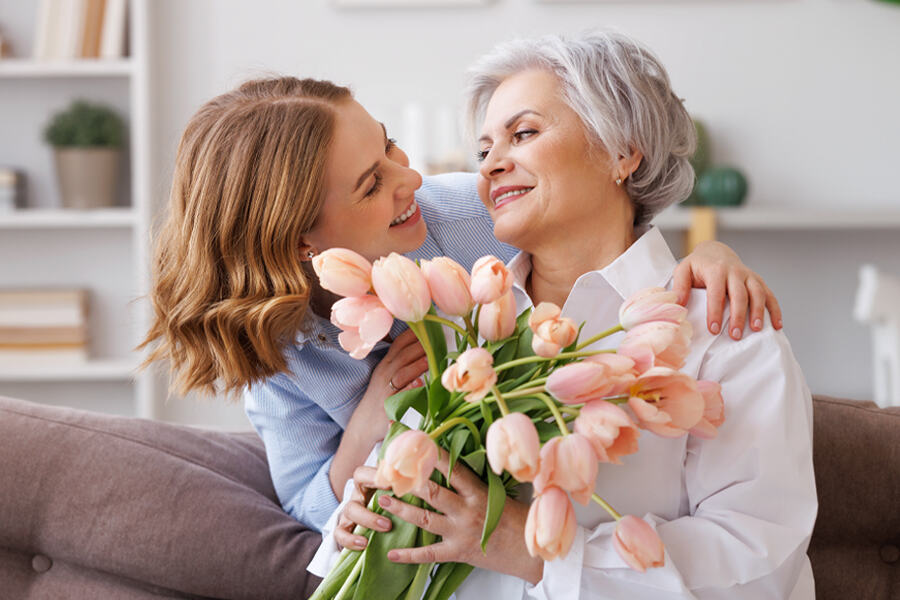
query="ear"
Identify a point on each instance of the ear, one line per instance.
(626, 165)
(307, 249)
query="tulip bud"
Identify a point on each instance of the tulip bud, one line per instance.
(609, 429)
(658, 344)
(408, 462)
(473, 372)
(666, 402)
(552, 333)
(651, 304)
(490, 279)
(449, 285)
(364, 321)
(638, 544)
(513, 444)
(568, 462)
(343, 272)
(497, 320)
(592, 379)
(713, 410)
(402, 287)
(550, 525)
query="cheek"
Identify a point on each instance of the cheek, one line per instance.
(484, 188)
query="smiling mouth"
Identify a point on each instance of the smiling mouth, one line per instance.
(509, 196)
(410, 211)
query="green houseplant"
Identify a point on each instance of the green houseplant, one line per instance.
(87, 140)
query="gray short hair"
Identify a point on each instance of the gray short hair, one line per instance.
(622, 93)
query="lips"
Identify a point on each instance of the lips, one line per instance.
(406, 215)
(508, 193)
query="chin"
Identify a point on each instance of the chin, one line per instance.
(511, 232)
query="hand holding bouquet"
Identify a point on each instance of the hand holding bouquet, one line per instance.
(519, 399)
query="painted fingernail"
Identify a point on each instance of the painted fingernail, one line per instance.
(393, 555)
(384, 501)
(779, 324)
(360, 542)
(757, 324)
(736, 333)
(384, 523)
(714, 328)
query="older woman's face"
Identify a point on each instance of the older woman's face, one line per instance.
(540, 176)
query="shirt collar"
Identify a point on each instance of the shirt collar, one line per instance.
(648, 262)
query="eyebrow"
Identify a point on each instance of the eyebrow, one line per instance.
(512, 120)
(371, 169)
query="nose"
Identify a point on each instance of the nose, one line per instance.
(495, 163)
(408, 181)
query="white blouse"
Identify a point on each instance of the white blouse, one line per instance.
(735, 513)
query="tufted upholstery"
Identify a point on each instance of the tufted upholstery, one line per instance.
(94, 506)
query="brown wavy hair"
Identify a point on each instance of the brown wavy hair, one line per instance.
(229, 290)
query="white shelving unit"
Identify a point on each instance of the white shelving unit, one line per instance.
(769, 218)
(104, 251)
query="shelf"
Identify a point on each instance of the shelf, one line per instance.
(775, 218)
(94, 370)
(36, 218)
(25, 68)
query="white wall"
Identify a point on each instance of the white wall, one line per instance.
(802, 95)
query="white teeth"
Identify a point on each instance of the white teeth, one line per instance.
(512, 193)
(409, 212)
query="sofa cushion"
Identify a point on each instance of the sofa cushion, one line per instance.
(855, 548)
(100, 506)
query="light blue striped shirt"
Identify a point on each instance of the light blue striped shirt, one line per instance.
(301, 414)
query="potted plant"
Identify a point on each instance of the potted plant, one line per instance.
(87, 139)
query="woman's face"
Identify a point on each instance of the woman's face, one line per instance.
(540, 177)
(369, 204)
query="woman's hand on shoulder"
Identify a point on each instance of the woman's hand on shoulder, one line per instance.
(716, 267)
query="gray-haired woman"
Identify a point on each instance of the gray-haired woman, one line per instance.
(582, 142)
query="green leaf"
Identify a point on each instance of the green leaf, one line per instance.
(336, 577)
(382, 579)
(458, 441)
(487, 413)
(506, 352)
(447, 578)
(438, 396)
(495, 503)
(547, 430)
(525, 405)
(476, 460)
(435, 332)
(396, 406)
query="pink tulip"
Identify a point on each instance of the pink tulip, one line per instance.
(568, 462)
(666, 402)
(497, 320)
(550, 525)
(651, 304)
(638, 544)
(610, 430)
(343, 272)
(597, 377)
(449, 285)
(552, 333)
(408, 462)
(473, 372)
(490, 279)
(512, 444)
(658, 344)
(713, 411)
(364, 321)
(402, 287)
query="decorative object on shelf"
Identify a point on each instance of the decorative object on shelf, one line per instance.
(87, 139)
(12, 189)
(37, 326)
(714, 185)
(700, 160)
(5, 48)
(75, 29)
(878, 305)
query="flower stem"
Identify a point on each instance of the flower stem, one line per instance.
(452, 325)
(555, 410)
(612, 512)
(421, 333)
(473, 332)
(351, 578)
(504, 410)
(532, 359)
(600, 336)
(451, 423)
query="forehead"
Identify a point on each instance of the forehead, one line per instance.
(533, 89)
(357, 142)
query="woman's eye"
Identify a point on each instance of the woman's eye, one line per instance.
(391, 144)
(481, 155)
(523, 134)
(376, 187)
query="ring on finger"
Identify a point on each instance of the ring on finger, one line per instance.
(393, 387)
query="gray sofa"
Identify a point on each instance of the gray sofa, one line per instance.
(94, 506)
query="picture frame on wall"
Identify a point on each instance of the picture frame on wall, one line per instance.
(409, 3)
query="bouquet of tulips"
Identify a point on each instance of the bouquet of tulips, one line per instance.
(519, 399)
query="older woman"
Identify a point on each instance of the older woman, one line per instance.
(582, 142)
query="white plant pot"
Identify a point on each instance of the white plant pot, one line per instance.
(87, 176)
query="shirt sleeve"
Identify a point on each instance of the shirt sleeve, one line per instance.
(750, 495)
(301, 441)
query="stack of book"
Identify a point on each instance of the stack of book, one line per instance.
(73, 29)
(41, 326)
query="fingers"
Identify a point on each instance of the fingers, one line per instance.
(433, 553)
(356, 514)
(737, 292)
(681, 281)
(715, 304)
(408, 374)
(757, 291)
(774, 309)
(400, 343)
(428, 520)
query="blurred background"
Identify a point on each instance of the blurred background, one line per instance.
(797, 101)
